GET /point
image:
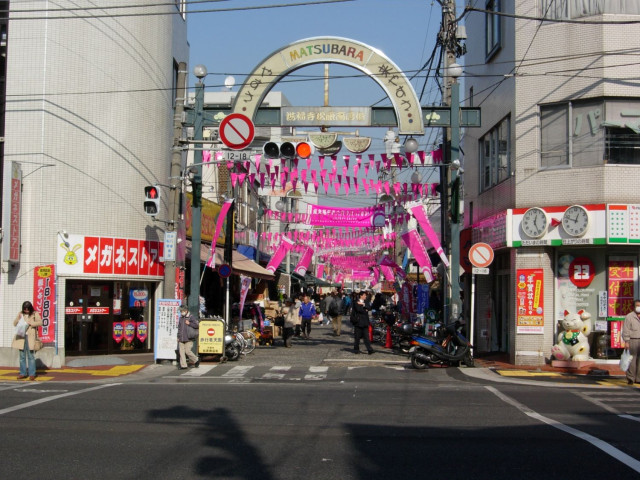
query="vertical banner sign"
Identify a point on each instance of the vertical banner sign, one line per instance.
(129, 330)
(277, 257)
(406, 300)
(166, 333)
(118, 331)
(142, 331)
(44, 299)
(305, 261)
(414, 243)
(620, 287)
(11, 213)
(530, 300)
(245, 283)
(616, 335)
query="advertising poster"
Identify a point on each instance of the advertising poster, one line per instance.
(621, 273)
(44, 301)
(616, 335)
(530, 300)
(166, 333)
(211, 339)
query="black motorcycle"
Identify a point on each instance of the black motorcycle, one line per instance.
(448, 347)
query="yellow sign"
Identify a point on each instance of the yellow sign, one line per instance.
(211, 337)
(334, 50)
(210, 212)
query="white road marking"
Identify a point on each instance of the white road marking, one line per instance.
(198, 372)
(54, 397)
(596, 442)
(237, 372)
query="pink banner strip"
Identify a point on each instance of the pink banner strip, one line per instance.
(305, 261)
(222, 216)
(415, 244)
(345, 217)
(421, 216)
(277, 257)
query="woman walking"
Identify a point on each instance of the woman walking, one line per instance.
(25, 339)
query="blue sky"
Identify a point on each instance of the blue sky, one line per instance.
(233, 43)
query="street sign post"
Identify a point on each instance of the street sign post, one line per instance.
(236, 131)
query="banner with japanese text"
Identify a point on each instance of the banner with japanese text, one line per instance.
(620, 286)
(321, 215)
(166, 331)
(87, 255)
(44, 301)
(530, 300)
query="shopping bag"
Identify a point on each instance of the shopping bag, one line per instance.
(21, 328)
(625, 360)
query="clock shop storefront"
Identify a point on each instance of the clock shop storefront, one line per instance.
(587, 255)
(107, 287)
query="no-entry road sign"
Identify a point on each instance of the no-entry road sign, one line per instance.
(481, 255)
(236, 131)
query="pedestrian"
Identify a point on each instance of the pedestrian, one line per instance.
(333, 310)
(291, 318)
(298, 325)
(631, 336)
(346, 304)
(360, 321)
(25, 339)
(307, 312)
(185, 338)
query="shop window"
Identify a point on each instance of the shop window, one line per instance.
(492, 28)
(495, 155)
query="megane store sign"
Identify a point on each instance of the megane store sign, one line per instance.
(90, 256)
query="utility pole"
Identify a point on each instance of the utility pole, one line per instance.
(175, 174)
(200, 72)
(451, 142)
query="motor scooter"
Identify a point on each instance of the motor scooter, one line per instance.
(448, 347)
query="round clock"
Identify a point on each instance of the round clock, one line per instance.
(535, 222)
(575, 220)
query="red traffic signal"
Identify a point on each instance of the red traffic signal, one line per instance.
(151, 200)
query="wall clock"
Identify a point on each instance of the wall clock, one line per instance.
(535, 222)
(575, 220)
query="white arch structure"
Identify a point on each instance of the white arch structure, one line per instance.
(334, 50)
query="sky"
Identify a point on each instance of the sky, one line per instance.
(235, 42)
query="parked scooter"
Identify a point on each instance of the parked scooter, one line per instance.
(232, 347)
(448, 347)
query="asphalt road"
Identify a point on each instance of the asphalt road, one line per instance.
(347, 419)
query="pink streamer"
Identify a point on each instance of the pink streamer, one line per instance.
(222, 216)
(415, 244)
(279, 255)
(305, 261)
(421, 216)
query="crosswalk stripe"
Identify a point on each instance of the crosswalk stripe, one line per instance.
(198, 372)
(319, 369)
(281, 368)
(237, 372)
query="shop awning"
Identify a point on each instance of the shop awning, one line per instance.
(240, 264)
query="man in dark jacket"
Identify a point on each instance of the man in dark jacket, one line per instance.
(360, 321)
(185, 338)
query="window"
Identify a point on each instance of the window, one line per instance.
(589, 133)
(492, 28)
(571, 9)
(495, 155)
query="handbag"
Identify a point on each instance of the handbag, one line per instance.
(625, 360)
(192, 333)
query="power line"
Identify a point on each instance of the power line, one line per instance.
(553, 20)
(175, 12)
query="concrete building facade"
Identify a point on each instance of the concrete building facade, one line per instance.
(90, 97)
(560, 120)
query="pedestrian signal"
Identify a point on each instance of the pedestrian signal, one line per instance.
(151, 200)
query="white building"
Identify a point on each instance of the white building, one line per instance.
(560, 120)
(90, 97)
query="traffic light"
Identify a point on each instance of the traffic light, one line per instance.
(151, 200)
(288, 150)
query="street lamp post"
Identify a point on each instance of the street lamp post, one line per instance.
(454, 71)
(200, 71)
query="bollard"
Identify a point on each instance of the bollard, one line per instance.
(389, 342)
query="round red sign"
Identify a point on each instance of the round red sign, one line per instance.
(211, 332)
(581, 272)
